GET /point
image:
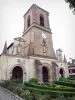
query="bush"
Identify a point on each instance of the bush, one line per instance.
(51, 92)
(71, 78)
(47, 83)
(27, 95)
(49, 88)
(18, 90)
(14, 87)
(53, 85)
(65, 79)
(70, 84)
(33, 81)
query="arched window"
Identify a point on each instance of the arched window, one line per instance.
(41, 20)
(28, 21)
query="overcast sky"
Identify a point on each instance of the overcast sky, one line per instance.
(62, 22)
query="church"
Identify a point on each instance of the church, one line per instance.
(32, 55)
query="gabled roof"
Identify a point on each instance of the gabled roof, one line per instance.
(34, 5)
(10, 46)
(18, 39)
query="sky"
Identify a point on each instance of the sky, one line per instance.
(61, 18)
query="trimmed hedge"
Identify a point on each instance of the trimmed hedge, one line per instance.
(49, 88)
(51, 92)
(65, 83)
(71, 78)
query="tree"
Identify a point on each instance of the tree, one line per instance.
(71, 4)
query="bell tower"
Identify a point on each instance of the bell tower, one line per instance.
(37, 32)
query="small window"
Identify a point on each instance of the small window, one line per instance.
(41, 20)
(28, 21)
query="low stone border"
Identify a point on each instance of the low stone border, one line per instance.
(14, 96)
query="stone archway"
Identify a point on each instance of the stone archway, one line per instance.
(61, 72)
(17, 74)
(45, 74)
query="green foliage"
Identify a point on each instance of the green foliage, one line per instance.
(53, 85)
(5, 83)
(49, 88)
(71, 4)
(27, 95)
(65, 79)
(47, 83)
(35, 91)
(33, 80)
(40, 96)
(18, 90)
(14, 87)
(52, 93)
(70, 84)
(71, 78)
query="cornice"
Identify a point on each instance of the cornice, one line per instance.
(37, 26)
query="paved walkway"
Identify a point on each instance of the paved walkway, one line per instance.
(5, 95)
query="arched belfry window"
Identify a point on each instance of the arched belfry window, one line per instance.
(41, 20)
(28, 21)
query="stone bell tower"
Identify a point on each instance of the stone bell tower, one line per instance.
(37, 32)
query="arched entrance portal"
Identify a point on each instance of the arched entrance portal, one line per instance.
(17, 74)
(45, 74)
(62, 72)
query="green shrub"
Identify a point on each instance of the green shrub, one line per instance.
(6, 83)
(40, 96)
(27, 95)
(49, 88)
(14, 87)
(71, 78)
(18, 90)
(33, 80)
(65, 83)
(53, 85)
(47, 83)
(51, 92)
(65, 79)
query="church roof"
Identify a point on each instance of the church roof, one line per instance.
(9, 45)
(34, 5)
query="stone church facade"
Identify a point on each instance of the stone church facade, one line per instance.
(32, 55)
